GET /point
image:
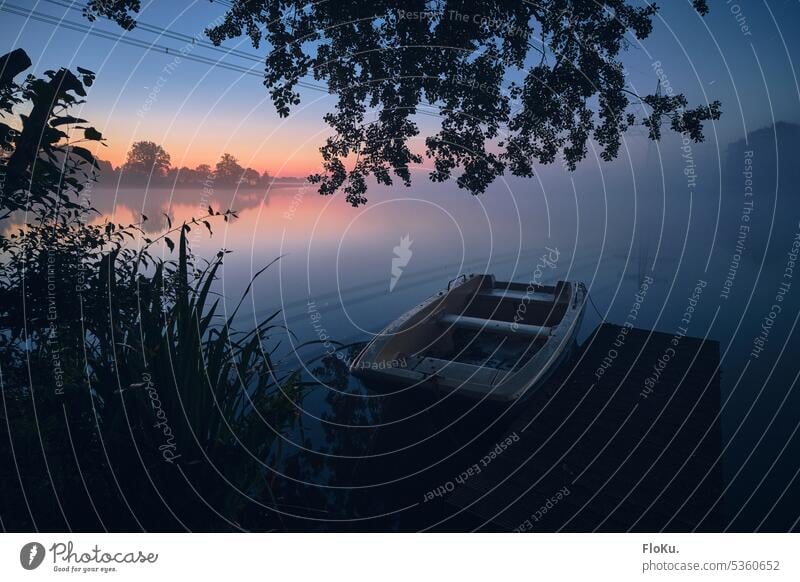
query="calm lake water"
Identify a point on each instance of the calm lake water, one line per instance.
(678, 222)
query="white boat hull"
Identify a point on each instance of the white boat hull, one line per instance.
(479, 339)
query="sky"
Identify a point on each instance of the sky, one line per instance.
(740, 54)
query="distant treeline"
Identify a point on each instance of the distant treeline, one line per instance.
(148, 163)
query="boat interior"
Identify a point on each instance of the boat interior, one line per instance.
(478, 328)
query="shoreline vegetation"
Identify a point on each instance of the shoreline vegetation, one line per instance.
(131, 401)
(148, 164)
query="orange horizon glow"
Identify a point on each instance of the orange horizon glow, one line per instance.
(283, 149)
(296, 167)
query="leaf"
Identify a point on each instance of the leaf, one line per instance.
(66, 120)
(85, 154)
(6, 134)
(170, 244)
(92, 134)
(69, 82)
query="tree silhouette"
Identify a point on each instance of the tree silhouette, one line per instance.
(228, 171)
(250, 177)
(203, 171)
(147, 159)
(45, 145)
(516, 82)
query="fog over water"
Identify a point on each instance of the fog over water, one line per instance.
(712, 227)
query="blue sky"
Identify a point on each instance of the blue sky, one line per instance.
(741, 54)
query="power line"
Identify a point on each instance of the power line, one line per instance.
(124, 39)
(152, 46)
(81, 27)
(172, 34)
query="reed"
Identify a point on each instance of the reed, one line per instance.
(130, 399)
(156, 384)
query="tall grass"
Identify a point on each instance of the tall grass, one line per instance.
(129, 399)
(163, 407)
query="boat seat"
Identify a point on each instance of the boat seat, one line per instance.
(456, 372)
(517, 295)
(496, 326)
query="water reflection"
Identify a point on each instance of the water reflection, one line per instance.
(354, 459)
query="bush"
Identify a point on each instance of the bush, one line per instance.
(130, 401)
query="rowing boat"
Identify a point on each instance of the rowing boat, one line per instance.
(479, 338)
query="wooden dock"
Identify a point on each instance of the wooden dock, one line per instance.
(601, 452)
